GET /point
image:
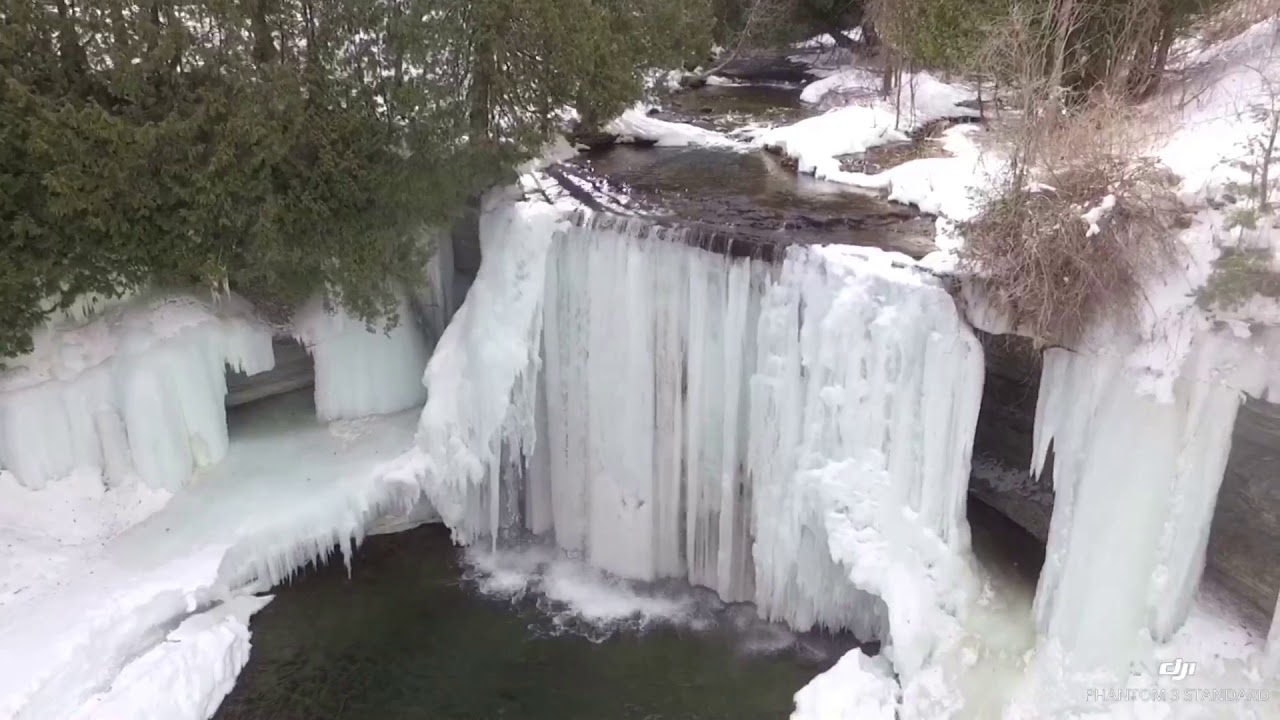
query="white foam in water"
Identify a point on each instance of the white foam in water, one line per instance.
(576, 597)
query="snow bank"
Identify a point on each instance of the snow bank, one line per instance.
(136, 392)
(289, 492)
(1216, 109)
(363, 369)
(817, 142)
(186, 676)
(636, 125)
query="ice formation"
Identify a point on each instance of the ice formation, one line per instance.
(857, 688)
(481, 378)
(290, 491)
(863, 410)
(1115, 451)
(363, 368)
(647, 347)
(137, 391)
(662, 411)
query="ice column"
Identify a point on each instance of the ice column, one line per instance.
(482, 379)
(863, 411)
(362, 368)
(1136, 481)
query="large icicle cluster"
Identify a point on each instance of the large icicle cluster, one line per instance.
(481, 377)
(663, 411)
(136, 392)
(863, 411)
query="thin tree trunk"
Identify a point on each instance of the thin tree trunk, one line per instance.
(264, 46)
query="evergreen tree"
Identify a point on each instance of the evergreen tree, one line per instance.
(283, 147)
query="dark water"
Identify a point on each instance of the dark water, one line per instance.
(405, 637)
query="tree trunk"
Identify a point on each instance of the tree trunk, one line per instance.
(1268, 155)
(264, 46)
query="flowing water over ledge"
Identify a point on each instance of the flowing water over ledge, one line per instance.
(412, 635)
(751, 194)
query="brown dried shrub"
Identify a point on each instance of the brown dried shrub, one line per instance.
(1033, 251)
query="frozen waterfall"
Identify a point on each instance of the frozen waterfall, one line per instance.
(796, 436)
(863, 411)
(1136, 478)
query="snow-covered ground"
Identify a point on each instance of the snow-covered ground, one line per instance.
(636, 125)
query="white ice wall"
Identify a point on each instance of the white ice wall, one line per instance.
(137, 391)
(648, 344)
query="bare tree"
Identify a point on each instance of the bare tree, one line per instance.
(761, 18)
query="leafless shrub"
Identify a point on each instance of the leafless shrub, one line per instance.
(1070, 236)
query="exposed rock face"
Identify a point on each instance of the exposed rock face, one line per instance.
(1244, 541)
(1245, 537)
